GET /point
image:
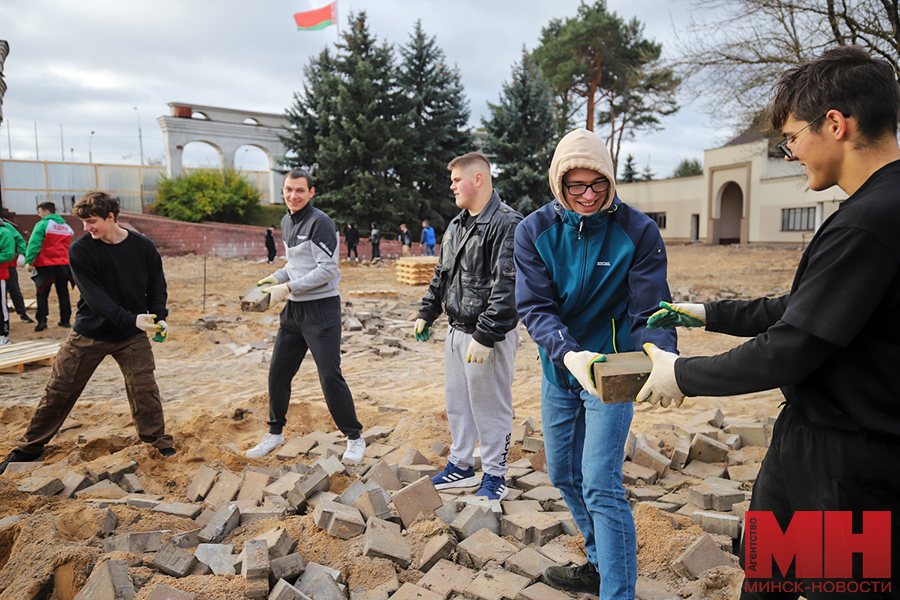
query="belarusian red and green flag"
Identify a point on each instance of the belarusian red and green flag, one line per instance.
(319, 18)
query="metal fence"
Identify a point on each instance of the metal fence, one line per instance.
(26, 183)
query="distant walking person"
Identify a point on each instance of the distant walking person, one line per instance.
(375, 240)
(7, 257)
(270, 243)
(352, 240)
(428, 239)
(405, 239)
(12, 284)
(47, 258)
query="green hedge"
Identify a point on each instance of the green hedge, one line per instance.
(207, 195)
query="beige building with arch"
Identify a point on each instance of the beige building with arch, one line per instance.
(744, 196)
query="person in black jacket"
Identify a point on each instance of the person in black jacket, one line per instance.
(352, 240)
(375, 240)
(831, 344)
(123, 297)
(270, 243)
(474, 282)
(405, 239)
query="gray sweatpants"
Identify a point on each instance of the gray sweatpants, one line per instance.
(479, 401)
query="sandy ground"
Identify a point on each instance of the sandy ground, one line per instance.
(215, 396)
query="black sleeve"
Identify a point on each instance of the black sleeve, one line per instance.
(744, 318)
(157, 291)
(783, 355)
(500, 315)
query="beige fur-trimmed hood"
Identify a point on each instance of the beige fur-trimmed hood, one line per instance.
(580, 149)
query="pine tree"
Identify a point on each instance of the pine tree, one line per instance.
(629, 170)
(688, 167)
(352, 124)
(647, 174)
(440, 114)
(520, 133)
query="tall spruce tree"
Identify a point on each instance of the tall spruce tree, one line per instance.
(440, 114)
(520, 131)
(355, 111)
(629, 170)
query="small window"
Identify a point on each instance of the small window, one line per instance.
(659, 218)
(798, 219)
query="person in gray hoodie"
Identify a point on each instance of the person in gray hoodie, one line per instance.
(311, 318)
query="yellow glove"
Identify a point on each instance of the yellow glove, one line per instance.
(670, 316)
(477, 353)
(146, 322)
(270, 280)
(661, 387)
(162, 332)
(29, 267)
(277, 293)
(581, 365)
(422, 330)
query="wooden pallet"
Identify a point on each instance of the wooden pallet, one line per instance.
(29, 303)
(416, 270)
(13, 357)
(372, 294)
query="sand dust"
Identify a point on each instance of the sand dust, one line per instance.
(216, 402)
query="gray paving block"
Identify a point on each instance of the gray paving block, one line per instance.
(252, 486)
(529, 563)
(633, 472)
(417, 498)
(255, 562)
(178, 509)
(219, 557)
(383, 539)
(224, 489)
(715, 496)
(541, 591)
(752, 434)
(187, 539)
(496, 584)
(226, 518)
(322, 587)
(172, 560)
(42, 486)
(530, 527)
(316, 480)
(384, 476)
(701, 555)
(201, 483)
(648, 457)
(165, 592)
(294, 447)
(721, 524)
(439, 547)
(278, 541)
(446, 578)
(372, 503)
(474, 518)
(338, 520)
(707, 449)
(483, 546)
(409, 591)
(109, 581)
(136, 542)
(73, 482)
(287, 567)
(285, 591)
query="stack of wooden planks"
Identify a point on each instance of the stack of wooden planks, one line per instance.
(13, 357)
(416, 270)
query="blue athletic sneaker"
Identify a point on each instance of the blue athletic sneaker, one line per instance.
(493, 488)
(454, 477)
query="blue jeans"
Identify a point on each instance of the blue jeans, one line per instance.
(429, 249)
(584, 440)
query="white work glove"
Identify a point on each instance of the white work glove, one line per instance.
(270, 280)
(422, 330)
(146, 322)
(162, 332)
(29, 267)
(581, 365)
(477, 353)
(670, 316)
(661, 387)
(277, 293)
(20, 262)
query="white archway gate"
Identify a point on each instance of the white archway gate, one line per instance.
(225, 130)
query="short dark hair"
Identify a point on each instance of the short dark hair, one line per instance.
(96, 204)
(845, 79)
(47, 206)
(297, 173)
(467, 160)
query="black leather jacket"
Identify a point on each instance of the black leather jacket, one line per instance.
(475, 279)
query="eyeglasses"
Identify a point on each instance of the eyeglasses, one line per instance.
(580, 189)
(783, 146)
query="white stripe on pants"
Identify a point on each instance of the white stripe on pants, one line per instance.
(479, 401)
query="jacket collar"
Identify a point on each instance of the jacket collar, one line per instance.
(302, 213)
(573, 219)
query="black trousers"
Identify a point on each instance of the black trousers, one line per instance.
(14, 292)
(314, 325)
(57, 276)
(812, 468)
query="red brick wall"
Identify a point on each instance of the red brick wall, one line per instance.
(224, 240)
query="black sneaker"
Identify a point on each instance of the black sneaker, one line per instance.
(64, 324)
(18, 456)
(583, 578)
(167, 452)
(26, 319)
(42, 325)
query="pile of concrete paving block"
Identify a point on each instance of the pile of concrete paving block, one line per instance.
(488, 550)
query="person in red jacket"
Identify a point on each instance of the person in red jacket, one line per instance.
(47, 258)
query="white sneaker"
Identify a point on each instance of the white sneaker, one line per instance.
(269, 443)
(4, 341)
(356, 449)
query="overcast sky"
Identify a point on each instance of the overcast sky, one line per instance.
(110, 66)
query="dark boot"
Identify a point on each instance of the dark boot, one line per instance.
(583, 578)
(18, 456)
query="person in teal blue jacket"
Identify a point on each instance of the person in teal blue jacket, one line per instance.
(590, 271)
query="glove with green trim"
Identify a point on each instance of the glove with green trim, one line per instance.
(671, 316)
(581, 365)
